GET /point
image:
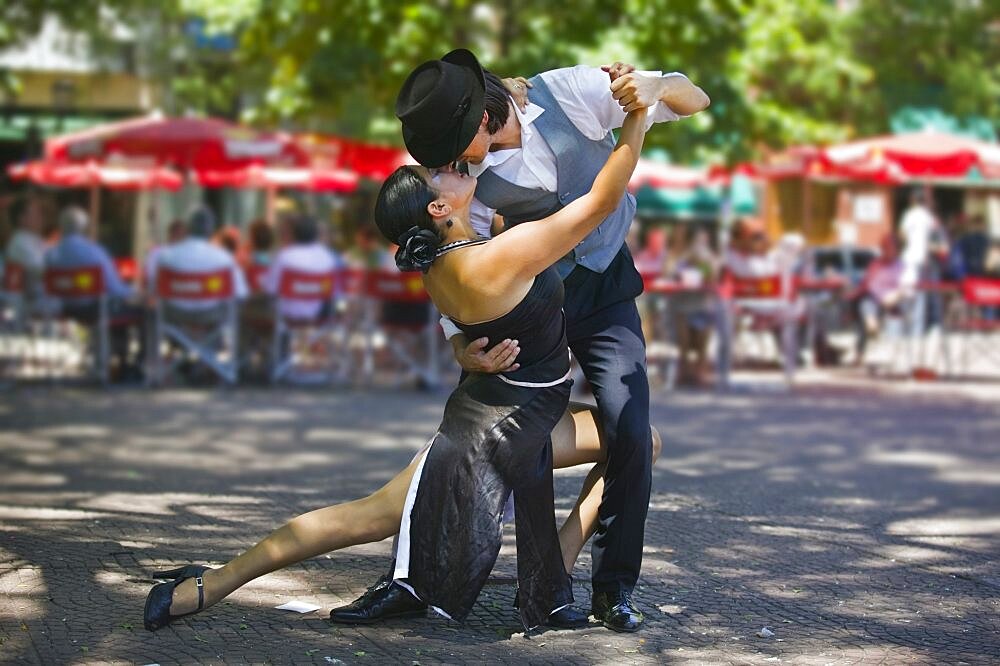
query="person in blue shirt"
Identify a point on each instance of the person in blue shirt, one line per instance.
(76, 249)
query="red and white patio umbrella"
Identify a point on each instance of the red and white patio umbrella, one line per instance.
(184, 143)
(312, 179)
(92, 174)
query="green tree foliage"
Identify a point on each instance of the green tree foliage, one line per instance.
(779, 72)
(943, 54)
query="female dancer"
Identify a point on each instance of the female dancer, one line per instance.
(495, 433)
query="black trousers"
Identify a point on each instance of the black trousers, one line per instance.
(605, 336)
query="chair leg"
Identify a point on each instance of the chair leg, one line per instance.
(789, 349)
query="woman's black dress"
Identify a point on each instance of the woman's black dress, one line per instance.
(494, 438)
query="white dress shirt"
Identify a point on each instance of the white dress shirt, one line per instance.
(584, 94)
(305, 258)
(198, 255)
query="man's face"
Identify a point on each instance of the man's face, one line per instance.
(476, 152)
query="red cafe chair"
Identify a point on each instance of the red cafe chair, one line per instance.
(322, 330)
(85, 282)
(759, 305)
(975, 320)
(199, 336)
(401, 319)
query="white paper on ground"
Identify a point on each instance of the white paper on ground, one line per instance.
(299, 607)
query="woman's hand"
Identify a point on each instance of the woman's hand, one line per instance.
(518, 86)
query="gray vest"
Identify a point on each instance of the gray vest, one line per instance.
(578, 160)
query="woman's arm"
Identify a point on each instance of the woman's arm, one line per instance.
(531, 247)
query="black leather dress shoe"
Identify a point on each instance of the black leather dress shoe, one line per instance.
(382, 601)
(567, 618)
(616, 611)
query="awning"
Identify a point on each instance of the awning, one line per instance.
(682, 203)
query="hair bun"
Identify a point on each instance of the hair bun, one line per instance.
(417, 249)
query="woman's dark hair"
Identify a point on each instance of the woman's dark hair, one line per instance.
(496, 100)
(261, 236)
(401, 215)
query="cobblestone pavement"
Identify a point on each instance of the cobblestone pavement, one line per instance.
(859, 524)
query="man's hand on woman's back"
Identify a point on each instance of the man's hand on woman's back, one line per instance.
(474, 357)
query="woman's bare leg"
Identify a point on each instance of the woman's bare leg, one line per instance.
(366, 520)
(578, 439)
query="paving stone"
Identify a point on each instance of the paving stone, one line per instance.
(857, 523)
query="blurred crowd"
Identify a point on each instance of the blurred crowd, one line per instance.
(694, 278)
(692, 273)
(255, 259)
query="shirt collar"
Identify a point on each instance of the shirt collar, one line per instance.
(497, 157)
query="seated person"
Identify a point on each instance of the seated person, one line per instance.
(692, 263)
(750, 255)
(972, 248)
(26, 248)
(175, 234)
(197, 254)
(880, 291)
(76, 250)
(261, 244)
(304, 254)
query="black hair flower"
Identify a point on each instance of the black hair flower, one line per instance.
(417, 249)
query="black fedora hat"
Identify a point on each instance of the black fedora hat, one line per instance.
(441, 107)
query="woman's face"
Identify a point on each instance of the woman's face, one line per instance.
(452, 187)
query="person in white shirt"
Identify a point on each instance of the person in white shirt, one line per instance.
(26, 247)
(916, 229)
(197, 254)
(305, 254)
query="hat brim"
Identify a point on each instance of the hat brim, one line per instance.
(448, 148)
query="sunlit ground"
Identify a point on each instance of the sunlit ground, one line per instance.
(858, 521)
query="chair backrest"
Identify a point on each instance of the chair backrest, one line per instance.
(203, 285)
(255, 277)
(13, 278)
(396, 287)
(82, 282)
(981, 291)
(304, 286)
(757, 288)
(352, 281)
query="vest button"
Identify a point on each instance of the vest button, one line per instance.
(566, 195)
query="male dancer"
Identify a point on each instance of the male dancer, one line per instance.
(530, 164)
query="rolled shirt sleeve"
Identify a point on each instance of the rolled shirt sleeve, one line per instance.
(585, 95)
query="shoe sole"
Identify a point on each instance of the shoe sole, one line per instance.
(375, 620)
(622, 630)
(579, 625)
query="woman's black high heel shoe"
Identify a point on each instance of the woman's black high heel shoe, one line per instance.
(157, 611)
(187, 571)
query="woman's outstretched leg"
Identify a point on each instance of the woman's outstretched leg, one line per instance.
(578, 439)
(366, 520)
